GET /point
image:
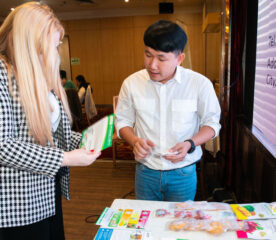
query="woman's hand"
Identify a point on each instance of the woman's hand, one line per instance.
(79, 157)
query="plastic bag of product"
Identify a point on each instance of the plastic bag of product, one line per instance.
(210, 226)
(202, 205)
(161, 212)
(218, 227)
(195, 214)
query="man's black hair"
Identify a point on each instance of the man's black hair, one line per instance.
(165, 36)
(62, 74)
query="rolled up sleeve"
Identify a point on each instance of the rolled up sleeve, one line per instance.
(208, 107)
(125, 113)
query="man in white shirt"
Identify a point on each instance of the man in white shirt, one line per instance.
(174, 111)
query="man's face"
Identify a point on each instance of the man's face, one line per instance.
(161, 66)
(63, 80)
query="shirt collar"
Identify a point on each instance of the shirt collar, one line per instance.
(177, 75)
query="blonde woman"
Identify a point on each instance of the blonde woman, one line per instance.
(36, 142)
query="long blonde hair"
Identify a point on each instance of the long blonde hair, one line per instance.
(28, 49)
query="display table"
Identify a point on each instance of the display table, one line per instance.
(128, 219)
(158, 226)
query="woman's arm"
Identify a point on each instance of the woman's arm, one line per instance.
(81, 94)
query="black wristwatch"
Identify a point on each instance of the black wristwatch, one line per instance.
(192, 145)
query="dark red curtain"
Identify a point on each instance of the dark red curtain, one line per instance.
(235, 86)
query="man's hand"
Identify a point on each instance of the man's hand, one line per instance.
(182, 149)
(141, 148)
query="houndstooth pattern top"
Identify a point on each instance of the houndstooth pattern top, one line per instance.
(27, 169)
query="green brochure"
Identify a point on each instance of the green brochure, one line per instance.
(98, 136)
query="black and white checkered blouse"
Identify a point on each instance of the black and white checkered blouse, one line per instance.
(28, 170)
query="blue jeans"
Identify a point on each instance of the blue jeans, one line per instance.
(177, 185)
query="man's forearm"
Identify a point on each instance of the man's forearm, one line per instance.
(204, 134)
(127, 133)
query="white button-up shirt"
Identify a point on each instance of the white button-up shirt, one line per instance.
(168, 113)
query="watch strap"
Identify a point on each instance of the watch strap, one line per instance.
(192, 145)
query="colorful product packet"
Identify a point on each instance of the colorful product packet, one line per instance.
(115, 218)
(251, 211)
(125, 217)
(259, 229)
(106, 216)
(123, 233)
(133, 220)
(143, 218)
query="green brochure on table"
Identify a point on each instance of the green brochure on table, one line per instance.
(98, 136)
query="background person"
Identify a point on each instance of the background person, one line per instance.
(36, 141)
(174, 110)
(82, 85)
(67, 83)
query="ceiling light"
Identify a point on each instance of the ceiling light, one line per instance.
(12, 9)
(126, 0)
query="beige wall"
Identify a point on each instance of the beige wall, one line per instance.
(213, 43)
(110, 49)
(213, 53)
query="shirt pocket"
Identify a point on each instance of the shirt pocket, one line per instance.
(145, 111)
(183, 114)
